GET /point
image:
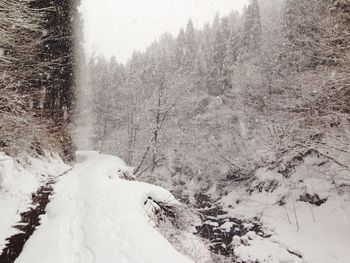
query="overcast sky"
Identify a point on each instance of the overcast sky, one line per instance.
(118, 27)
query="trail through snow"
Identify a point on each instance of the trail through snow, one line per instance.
(95, 217)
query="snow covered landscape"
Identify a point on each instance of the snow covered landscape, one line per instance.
(180, 131)
(92, 211)
(96, 215)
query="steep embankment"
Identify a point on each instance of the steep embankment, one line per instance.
(95, 216)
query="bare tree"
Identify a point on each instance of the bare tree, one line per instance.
(20, 36)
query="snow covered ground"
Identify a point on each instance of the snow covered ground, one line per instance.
(94, 216)
(311, 233)
(17, 183)
(97, 216)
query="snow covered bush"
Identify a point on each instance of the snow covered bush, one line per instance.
(176, 222)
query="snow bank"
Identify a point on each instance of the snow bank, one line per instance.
(94, 216)
(318, 233)
(18, 182)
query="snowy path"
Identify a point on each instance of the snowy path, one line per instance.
(95, 217)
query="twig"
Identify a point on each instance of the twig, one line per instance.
(225, 158)
(295, 214)
(325, 155)
(149, 166)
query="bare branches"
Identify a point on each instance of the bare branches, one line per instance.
(226, 159)
(324, 155)
(22, 68)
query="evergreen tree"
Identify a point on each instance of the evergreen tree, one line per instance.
(204, 56)
(58, 48)
(190, 46)
(252, 31)
(168, 43)
(232, 47)
(180, 50)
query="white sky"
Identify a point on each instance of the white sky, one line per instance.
(118, 27)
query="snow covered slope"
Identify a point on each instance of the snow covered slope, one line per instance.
(308, 213)
(94, 216)
(18, 181)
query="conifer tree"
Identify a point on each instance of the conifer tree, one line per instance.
(252, 31)
(191, 45)
(180, 50)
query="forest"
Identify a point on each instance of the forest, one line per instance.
(220, 102)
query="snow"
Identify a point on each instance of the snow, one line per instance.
(325, 240)
(195, 248)
(94, 216)
(226, 227)
(17, 183)
(261, 250)
(323, 235)
(211, 223)
(320, 234)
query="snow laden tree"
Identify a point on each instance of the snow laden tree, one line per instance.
(19, 30)
(99, 109)
(162, 101)
(190, 47)
(61, 50)
(314, 45)
(252, 31)
(220, 46)
(37, 77)
(180, 50)
(58, 48)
